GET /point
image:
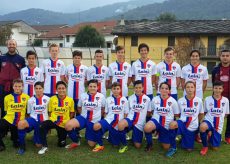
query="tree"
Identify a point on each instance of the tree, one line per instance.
(5, 33)
(37, 43)
(166, 17)
(88, 36)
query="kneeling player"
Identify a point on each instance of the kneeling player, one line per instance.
(91, 105)
(139, 105)
(61, 109)
(116, 108)
(37, 109)
(165, 108)
(15, 107)
(216, 108)
(191, 108)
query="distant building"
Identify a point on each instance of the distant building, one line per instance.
(23, 33)
(44, 29)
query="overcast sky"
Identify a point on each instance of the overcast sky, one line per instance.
(7, 6)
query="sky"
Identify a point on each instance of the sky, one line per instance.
(67, 6)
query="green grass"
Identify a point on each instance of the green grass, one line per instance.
(83, 153)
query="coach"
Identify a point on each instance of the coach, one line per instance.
(221, 73)
(10, 65)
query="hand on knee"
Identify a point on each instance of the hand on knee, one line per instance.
(203, 127)
(68, 127)
(173, 125)
(22, 125)
(96, 126)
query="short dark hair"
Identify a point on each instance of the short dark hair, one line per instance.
(98, 51)
(118, 48)
(197, 51)
(92, 81)
(218, 83)
(169, 49)
(137, 82)
(39, 83)
(29, 53)
(143, 45)
(77, 53)
(169, 86)
(224, 50)
(116, 84)
(61, 83)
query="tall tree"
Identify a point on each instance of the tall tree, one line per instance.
(5, 33)
(166, 17)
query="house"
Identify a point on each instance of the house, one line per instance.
(65, 37)
(23, 33)
(208, 36)
(44, 29)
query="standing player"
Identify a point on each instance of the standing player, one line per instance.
(120, 71)
(116, 108)
(53, 70)
(61, 110)
(91, 105)
(76, 77)
(15, 107)
(31, 74)
(195, 72)
(169, 71)
(37, 109)
(139, 105)
(145, 70)
(99, 72)
(216, 108)
(192, 112)
(165, 108)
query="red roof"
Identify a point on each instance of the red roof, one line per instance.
(105, 28)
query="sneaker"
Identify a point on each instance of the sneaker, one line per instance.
(2, 148)
(148, 148)
(127, 137)
(204, 151)
(171, 152)
(123, 149)
(72, 146)
(98, 148)
(43, 150)
(21, 151)
(227, 140)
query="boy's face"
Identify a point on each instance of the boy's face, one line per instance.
(120, 54)
(169, 55)
(99, 56)
(39, 90)
(190, 89)
(144, 52)
(92, 88)
(164, 89)
(31, 60)
(195, 57)
(61, 90)
(138, 89)
(217, 90)
(116, 90)
(54, 51)
(18, 87)
(77, 60)
(225, 57)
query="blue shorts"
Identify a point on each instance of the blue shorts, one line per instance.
(215, 138)
(75, 103)
(150, 96)
(137, 135)
(34, 125)
(175, 96)
(113, 133)
(90, 134)
(188, 137)
(163, 133)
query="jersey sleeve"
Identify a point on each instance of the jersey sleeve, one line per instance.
(132, 69)
(106, 106)
(5, 104)
(29, 107)
(43, 67)
(72, 105)
(63, 69)
(152, 104)
(126, 107)
(107, 74)
(103, 101)
(154, 71)
(80, 102)
(41, 76)
(183, 74)
(201, 107)
(205, 75)
(50, 109)
(178, 72)
(175, 107)
(21, 74)
(88, 74)
(227, 107)
(110, 71)
(157, 70)
(205, 105)
(149, 107)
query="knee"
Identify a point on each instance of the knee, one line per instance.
(173, 125)
(97, 126)
(166, 146)
(148, 128)
(68, 126)
(121, 126)
(22, 125)
(203, 127)
(137, 145)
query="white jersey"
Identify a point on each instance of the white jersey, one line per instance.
(215, 111)
(190, 109)
(115, 109)
(139, 106)
(37, 108)
(120, 72)
(196, 74)
(91, 106)
(101, 74)
(53, 71)
(164, 110)
(76, 80)
(29, 78)
(144, 71)
(169, 73)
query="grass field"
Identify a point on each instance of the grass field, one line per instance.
(83, 153)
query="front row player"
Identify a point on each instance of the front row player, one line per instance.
(191, 108)
(15, 107)
(139, 105)
(216, 108)
(61, 109)
(37, 109)
(116, 108)
(91, 105)
(165, 108)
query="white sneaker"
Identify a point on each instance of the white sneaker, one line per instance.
(43, 150)
(127, 137)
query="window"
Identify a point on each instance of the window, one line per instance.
(212, 46)
(134, 41)
(210, 66)
(67, 38)
(171, 41)
(60, 44)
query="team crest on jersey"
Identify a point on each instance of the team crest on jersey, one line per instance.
(59, 65)
(157, 102)
(144, 100)
(44, 100)
(23, 99)
(36, 72)
(223, 104)
(195, 103)
(169, 103)
(112, 102)
(81, 70)
(211, 104)
(174, 67)
(103, 71)
(200, 70)
(148, 65)
(125, 67)
(122, 102)
(97, 98)
(66, 103)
